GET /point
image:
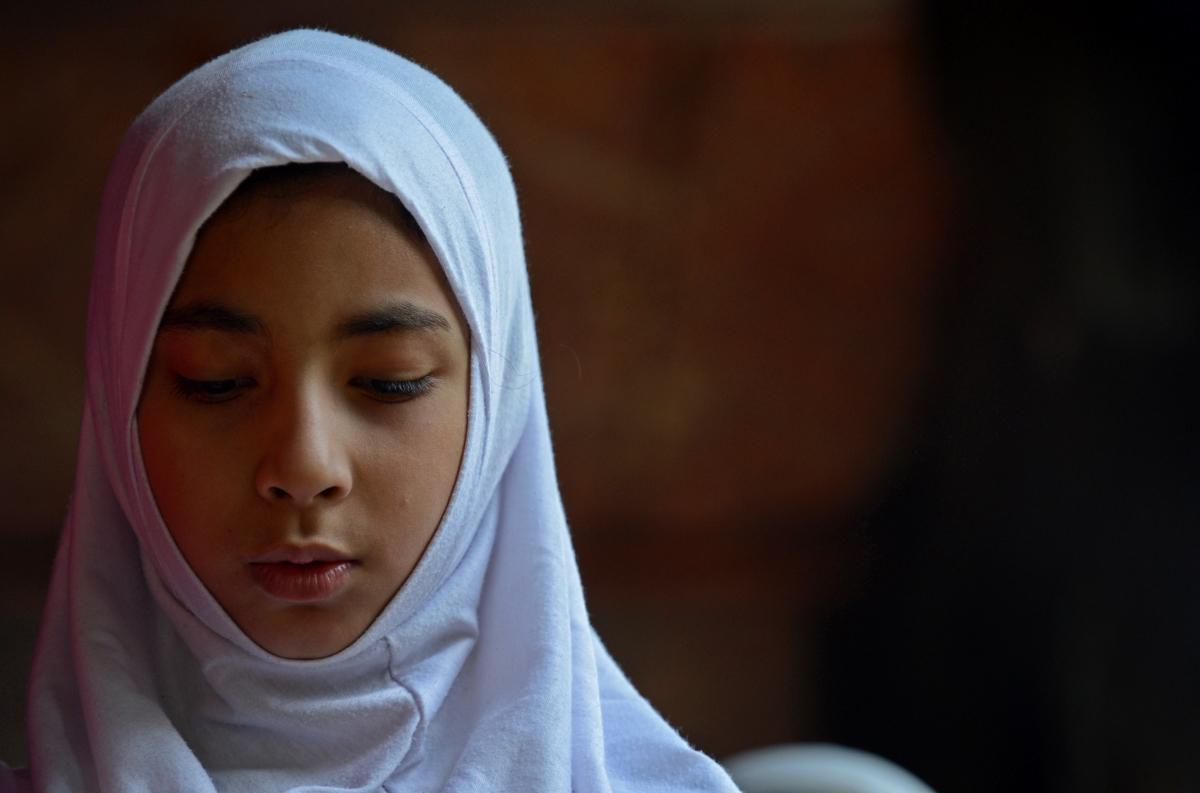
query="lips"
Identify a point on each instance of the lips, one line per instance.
(302, 574)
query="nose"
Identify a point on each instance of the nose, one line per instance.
(304, 463)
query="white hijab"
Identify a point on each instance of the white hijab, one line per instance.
(483, 673)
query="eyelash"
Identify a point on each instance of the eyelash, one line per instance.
(394, 390)
(213, 392)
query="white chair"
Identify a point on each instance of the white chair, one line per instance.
(818, 768)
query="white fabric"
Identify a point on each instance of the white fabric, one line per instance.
(483, 673)
(818, 768)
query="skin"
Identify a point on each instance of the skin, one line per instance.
(307, 389)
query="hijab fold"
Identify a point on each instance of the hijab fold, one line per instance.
(483, 673)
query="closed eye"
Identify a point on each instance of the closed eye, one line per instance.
(394, 390)
(212, 391)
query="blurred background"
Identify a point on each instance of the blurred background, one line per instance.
(871, 333)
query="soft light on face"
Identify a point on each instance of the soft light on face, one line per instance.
(304, 413)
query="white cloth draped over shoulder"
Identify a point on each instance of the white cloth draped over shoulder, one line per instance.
(483, 673)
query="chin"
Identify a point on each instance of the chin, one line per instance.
(306, 636)
(305, 651)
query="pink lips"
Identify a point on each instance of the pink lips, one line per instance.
(301, 574)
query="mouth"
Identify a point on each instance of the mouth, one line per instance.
(302, 574)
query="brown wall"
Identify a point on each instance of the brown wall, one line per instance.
(732, 224)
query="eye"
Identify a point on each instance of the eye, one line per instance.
(212, 391)
(394, 390)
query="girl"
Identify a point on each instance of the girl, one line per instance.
(316, 541)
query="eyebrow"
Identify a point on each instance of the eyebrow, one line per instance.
(212, 316)
(403, 316)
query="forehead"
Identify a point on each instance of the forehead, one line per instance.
(281, 185)
(303, 251)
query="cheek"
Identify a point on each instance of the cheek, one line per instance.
(405, 478)
(193, 483)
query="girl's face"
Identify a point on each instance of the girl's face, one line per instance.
(304, 413)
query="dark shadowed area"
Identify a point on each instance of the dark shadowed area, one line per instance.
(1033, 619)
(869, 330)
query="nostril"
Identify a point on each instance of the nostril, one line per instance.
(330, 492)
(278, 492)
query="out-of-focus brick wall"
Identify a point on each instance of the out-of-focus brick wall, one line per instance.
(732, 224)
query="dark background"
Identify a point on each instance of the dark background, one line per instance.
(1032, 619)
(870, 333)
